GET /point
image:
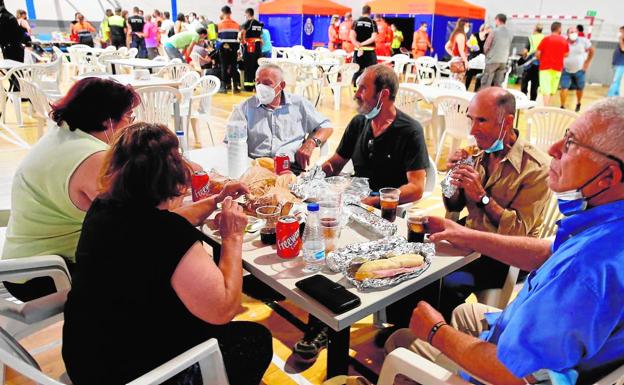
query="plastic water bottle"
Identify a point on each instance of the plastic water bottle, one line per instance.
(182, 143)
(237, 144)
(313, 244)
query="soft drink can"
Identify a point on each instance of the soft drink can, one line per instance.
(288, 239)
(200, 186)
(281, 163)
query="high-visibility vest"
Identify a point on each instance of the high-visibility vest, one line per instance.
(212, 32)
(534, 41)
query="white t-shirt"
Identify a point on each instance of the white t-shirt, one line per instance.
(577, 56)
(166, 26)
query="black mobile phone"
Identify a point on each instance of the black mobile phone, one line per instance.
(328, 293)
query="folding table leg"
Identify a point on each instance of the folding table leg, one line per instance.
(338, 352)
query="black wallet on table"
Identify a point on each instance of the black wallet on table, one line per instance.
(328, 293)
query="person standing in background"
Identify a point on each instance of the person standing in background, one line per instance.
(575, 67)
(167, 25)
(531, 73)
(363, 36)
(479, 39)
(83, 30)
(457, 48)
(228, 44)
(384, 37)
(180, 24)
(421, 42)
(137, 40)
(618, 65)
(397, 40)
(251, 37)
(194, 22)
(118, 29)
(344, 32)
(267, 46)
(11, 35)
(581, 30)
(551, 53)
(496, 51)
(150, 35)
(105, 29)
(22, 20)
(333, 33)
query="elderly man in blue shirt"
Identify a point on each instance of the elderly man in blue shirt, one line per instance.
(279, 122)
(569, 316)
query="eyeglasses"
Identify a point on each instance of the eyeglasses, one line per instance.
(568, 139)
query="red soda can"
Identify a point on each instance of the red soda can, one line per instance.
(200, 187)
(288, 239)
(281, 163)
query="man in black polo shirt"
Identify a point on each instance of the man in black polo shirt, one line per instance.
(136, 23)
(385, 144)
(363, 38)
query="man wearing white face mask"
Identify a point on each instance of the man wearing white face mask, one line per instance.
(568, 316)
(505, 192)
(280, 122)
(575, 67)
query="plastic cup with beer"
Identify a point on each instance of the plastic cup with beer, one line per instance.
(416, 225)
(389, 201)
(270, 214)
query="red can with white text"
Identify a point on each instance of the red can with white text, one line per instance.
(200, 186)
(288, 239)
(281, 163)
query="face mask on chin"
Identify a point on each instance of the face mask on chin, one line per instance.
(573, 36)
(372, 114)
(265, 94)
(498, 143)
(572, 201)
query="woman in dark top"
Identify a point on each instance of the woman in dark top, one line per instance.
(483, 33)
(145, 290)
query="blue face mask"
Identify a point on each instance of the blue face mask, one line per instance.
(372, 114)
(498, 143)
(572, 201)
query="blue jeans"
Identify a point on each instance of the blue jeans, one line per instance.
(614, 90)
(173, 52)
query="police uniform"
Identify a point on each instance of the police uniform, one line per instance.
(137, 23)
(364, 56)
(116, 24)
(252, 51)
(228, 46)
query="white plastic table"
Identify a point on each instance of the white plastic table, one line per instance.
(281, 275)
(138, 63)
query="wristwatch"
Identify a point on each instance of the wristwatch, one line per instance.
(483, 201)
(317, 141)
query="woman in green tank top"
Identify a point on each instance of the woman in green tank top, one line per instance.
(54, 185)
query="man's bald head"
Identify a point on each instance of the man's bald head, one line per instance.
(499, 98)
(491, 113)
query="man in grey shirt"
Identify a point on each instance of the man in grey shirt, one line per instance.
(279, 122)
(496, 51)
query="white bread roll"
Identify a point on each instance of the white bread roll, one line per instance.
(405, 261)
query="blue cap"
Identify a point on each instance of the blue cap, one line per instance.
(313, 207)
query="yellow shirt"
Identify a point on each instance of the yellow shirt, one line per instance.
(519, 185)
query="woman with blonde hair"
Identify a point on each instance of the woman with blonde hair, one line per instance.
(333, 32)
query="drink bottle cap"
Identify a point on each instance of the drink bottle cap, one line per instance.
(313, 207)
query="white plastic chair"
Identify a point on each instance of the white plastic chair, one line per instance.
(425, 71)
(551, 216)
(206, 354)
(450, 84)
(39, 102)
(400, 60)
(104, 60)
(123, 51)
(408, 100)
(200, 105)
(156, 106)
(452, 110)
(132, 52)
(174, 71)
(340, 79)
(546, 125)
(417, 368)
(164, 59)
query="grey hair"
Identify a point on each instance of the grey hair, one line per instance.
(608, 122)
(271, 66)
